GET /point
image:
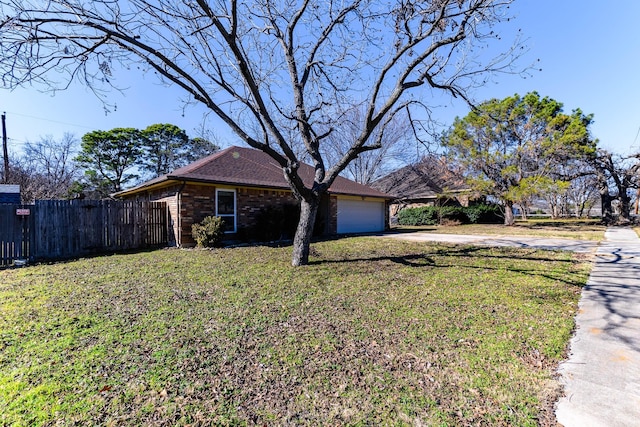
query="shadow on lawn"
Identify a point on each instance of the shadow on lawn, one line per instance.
(431, 260)
(574, 225)
(101, 254)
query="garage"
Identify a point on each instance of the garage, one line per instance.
(360, 216)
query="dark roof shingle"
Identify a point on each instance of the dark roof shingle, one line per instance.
(424, 180)
(251, 167)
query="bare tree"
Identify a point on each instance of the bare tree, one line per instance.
(53, 160)
(620, 174)
(580, 192)
(582, 195)
(398, 147)
(277, 72)
(573, 188)
(46, 169)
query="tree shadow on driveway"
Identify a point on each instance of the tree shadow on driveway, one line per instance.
(613, 292)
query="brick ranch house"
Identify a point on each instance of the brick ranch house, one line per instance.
(239, 183)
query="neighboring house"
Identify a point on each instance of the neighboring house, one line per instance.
(10, 193)
(238, 183)
(427, 183)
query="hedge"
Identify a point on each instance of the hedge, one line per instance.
(434, 215)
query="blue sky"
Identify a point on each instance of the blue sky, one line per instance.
(589, 52)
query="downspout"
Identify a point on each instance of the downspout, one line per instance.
(179, 214)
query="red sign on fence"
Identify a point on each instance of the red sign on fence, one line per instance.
(23, 212)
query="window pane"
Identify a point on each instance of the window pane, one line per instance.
(226, 203)
(228, 224)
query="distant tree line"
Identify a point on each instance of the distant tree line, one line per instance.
(106, 161)
(519, 152)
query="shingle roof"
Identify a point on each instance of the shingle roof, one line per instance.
(9, 193)
(253, 168)
(425, 180)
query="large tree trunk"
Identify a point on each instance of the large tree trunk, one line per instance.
(605, 200)
(509, 219)
(607, 209)
(625, 206)
(605, 196)
(304, 232)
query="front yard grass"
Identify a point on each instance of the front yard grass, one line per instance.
(373, 332)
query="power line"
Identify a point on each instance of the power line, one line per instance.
(14, 141)
(51, 121)
(636, 138)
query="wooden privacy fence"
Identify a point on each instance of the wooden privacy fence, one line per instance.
(15, 233)
(59, 229)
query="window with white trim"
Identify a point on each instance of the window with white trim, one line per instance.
(226, 209)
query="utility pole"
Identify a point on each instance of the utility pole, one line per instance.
(4, 148)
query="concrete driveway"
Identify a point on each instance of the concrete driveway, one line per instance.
(584, 246)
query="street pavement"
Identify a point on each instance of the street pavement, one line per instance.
(601, 378)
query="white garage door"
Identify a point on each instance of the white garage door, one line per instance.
(360, 216)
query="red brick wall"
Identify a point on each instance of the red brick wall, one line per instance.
(251, 201)
(197, 201)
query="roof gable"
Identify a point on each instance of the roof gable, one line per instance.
(254, 168)
(426, 179)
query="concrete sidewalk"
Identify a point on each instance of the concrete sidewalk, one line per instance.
(602, 376)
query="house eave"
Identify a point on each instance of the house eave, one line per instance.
(173, 179)
(145, 187)
(372, 196)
